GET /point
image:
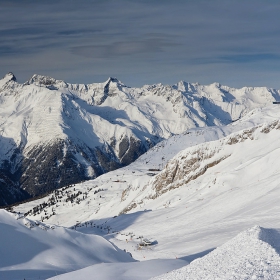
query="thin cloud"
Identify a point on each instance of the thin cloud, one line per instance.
(248, 58)
(172, 40)
(125, 48)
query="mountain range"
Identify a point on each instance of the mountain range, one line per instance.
(190, 196)
(54, 134)
(204, 195)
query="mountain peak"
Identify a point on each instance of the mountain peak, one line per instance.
(7, 78)
(10, 77)
(42, 80)
(216, 84)
(114, 80)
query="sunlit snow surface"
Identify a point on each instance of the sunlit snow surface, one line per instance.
(123, 271)
(43, 110)
(32, 250)
(252, 254)
(190, 219)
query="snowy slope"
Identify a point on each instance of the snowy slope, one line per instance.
(127, 183)
(32, 250)
(252, 254)
(123, 271)
(213, 183)
(54, 134)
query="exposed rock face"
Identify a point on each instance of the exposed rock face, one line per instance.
(130, 149)
(190, 164)
(184, 169)
(9, 190)
(45, 168)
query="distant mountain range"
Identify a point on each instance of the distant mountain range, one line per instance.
(53, 134)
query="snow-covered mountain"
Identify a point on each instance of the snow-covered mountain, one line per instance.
(188, 195)
(53, 134)
(169, 165)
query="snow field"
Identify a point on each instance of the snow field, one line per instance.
(247, 256)
(225, 200)
(123, 271)
(233, 185)
(32, 250)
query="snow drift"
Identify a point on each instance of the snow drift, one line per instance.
(252, 254)
(30, 249)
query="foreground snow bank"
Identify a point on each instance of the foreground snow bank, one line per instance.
(252, 254)
(32, 250)
(123, 271)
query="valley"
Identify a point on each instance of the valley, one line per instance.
(194, 194)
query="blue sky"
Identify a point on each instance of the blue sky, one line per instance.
(233, 42)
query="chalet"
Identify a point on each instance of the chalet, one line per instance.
(145, 242)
